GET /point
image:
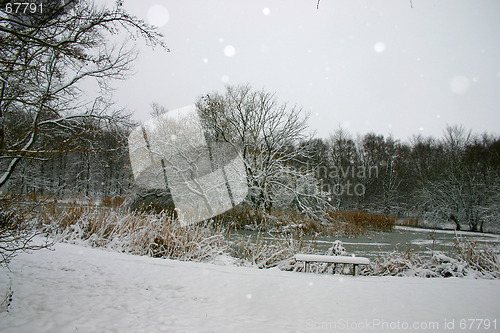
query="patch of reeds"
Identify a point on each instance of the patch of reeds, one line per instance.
(351, 223)
(155, 235)
(338, 223)
(481, 258)
(469, 259)
(267, 252)
(114, 202)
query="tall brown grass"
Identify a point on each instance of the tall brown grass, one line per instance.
(155, 235)
(482, 258)
(351, 223)
(265, 253)
(338, 223)
(161, 235)
(112, 201)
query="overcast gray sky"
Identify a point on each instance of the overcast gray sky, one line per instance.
(365, 65)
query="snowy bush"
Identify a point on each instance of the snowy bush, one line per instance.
(337, 249)
(471, 260)
(264, 253)
(396, 263)
(441, 265)
(409, 263)
(483, 259)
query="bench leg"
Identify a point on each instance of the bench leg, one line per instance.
(354, 269)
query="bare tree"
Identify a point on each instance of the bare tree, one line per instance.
(44, 60)
(463, 191)
(342, 157)
(268, 135)
(15, 235)
(45, 57)
(157, 109)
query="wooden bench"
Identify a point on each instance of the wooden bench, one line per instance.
(355, 261)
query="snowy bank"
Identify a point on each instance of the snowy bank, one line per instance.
(74, 288)
(449, 232)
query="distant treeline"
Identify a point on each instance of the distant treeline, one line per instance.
(453, 179)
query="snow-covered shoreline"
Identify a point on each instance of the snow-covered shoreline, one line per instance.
(74, 288)
(445, 231)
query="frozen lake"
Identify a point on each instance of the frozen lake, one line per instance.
(420, 240)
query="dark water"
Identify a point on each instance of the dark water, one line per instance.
(422, 241)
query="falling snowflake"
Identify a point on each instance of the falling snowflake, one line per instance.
(459, 84)
(379, 47)
(158, 15)
(229, 51)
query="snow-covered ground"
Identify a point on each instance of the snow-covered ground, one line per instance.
(78, 289)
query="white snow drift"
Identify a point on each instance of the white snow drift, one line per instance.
(73, 288)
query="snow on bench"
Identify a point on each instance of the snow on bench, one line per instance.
(307, 258)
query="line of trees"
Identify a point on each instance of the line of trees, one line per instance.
(455, 179)
(55, 140)
(98, 167)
